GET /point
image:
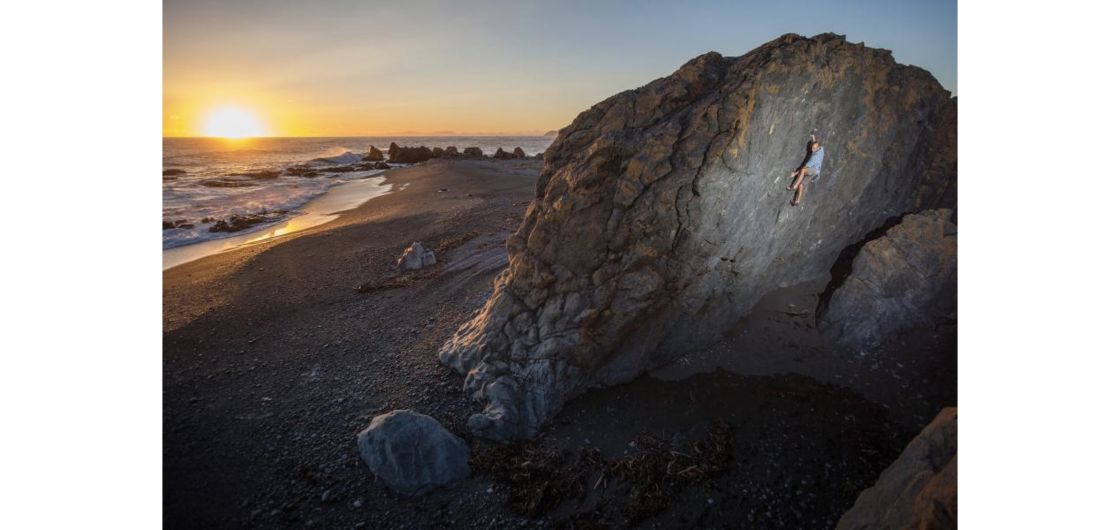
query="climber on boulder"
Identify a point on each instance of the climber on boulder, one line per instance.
(811, 167)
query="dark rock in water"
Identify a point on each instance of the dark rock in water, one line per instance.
(473, 152)
(374, 155)
(539, 156)
(410, 155)
(437, 152)
(338, 169)
(451, 152)
(173, 172)
(416, 257)
(237, 223)
(393, 149)
(412, 453)
(501, 154)
(904, 280)
(178, 223)
(518, 152)
(227, 183)
(382, 165)
(302, 170)
(259, 175)
(207, 220)
(662, 215)
(919, 490)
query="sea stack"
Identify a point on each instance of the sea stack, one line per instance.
(374, 155)
(661, 215)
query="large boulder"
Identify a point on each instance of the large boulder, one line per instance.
(473, 152)
(518, 152)
(502, 154)
(416, 257)
(412, 453)
(409, 155)
(451, 152)
(661, 215)
(919, 490)
(906, 279)
(375, 154)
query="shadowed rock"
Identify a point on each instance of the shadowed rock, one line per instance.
(502, 154)
(374, 155)
(904, 280)
(518, 152)
(919, 490)
(662, 215)
(412, 453)
(451, 152)
(409, 155)
(473, 152)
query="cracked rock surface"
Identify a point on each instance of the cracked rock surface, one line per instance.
(906, 279)
(661, 215)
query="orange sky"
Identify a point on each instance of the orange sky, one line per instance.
(357, 68)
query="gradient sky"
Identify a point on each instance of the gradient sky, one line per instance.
(353, 68)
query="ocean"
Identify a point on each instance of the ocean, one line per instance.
(217, 178)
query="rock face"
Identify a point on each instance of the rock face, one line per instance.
(919, 490)
(374, 155)
(416, 257)
(903, 280)
(662, 215)
(412, 453)
(409, 155)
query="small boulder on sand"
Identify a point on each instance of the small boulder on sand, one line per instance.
(416, 257)
(412, 453)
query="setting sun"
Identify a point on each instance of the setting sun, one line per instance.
(232, 122)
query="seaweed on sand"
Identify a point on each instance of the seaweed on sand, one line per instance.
(624, 491)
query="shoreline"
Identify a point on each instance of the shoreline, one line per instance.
(319, 210)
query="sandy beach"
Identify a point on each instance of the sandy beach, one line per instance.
(277, 354)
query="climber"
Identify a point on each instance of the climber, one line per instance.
(811, 167)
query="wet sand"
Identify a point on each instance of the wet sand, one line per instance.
(273, 362)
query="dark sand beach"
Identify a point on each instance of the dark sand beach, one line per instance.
(277, 354)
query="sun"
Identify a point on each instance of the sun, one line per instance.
(232, 122)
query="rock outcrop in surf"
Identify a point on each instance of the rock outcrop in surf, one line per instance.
(662, 215)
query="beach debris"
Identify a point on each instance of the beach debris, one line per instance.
(375, 155)
(412, 453)
(416, 257)
(394, 282)
(632, 488)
